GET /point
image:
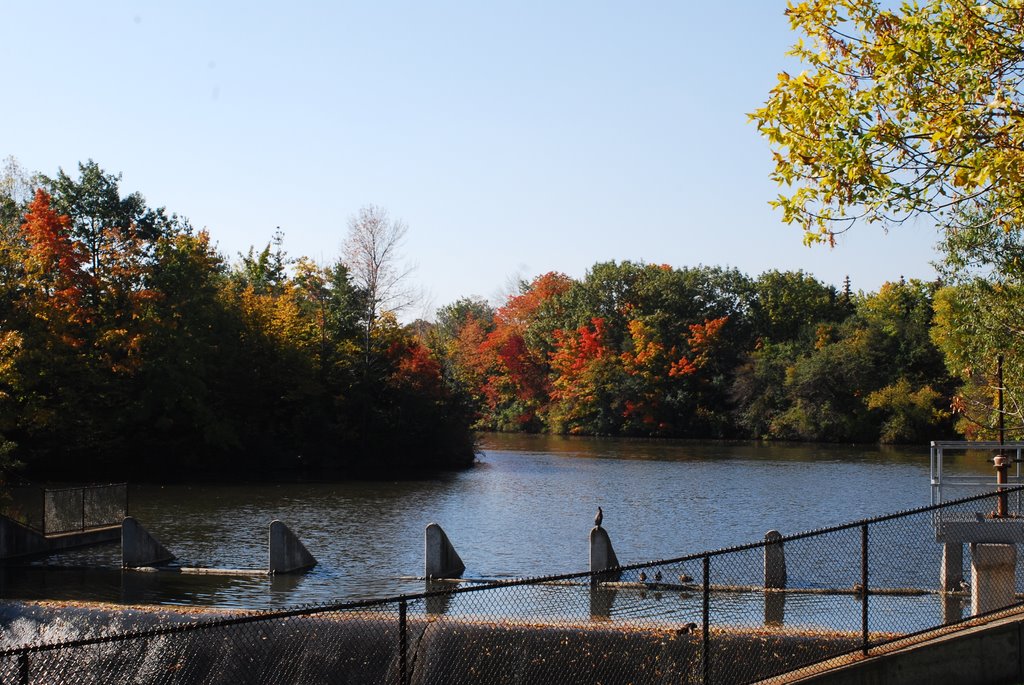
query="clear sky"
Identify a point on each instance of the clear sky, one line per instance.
(514, 138)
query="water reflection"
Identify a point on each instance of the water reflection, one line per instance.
(526, 510)
(601, 601)
(774, 608)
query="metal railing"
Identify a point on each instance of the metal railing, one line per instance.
(961, 484)
(735, 615)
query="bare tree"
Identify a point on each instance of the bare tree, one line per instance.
(372, 253)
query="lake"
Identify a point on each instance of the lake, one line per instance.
(525, 509)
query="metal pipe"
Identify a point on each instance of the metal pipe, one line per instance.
(1002, 462)
(864, 586)
(706, 621)
(403, 644)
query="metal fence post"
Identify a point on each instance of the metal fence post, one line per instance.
(23, 667)
(864, 586)
(403, 640)
(706, 619)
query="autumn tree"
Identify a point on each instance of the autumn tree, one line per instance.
(113, 228)
(900, 112)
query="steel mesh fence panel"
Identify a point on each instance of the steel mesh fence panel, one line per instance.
(618, 631)
(75, 509)
(784, 620)
(62, 510)
(904, 570)
(104, 505)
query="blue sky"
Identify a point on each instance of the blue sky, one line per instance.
(512, 138)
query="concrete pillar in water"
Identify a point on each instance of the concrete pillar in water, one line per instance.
(139, 548)
(774, 561)
(602, 555)
(992, 576)
(440, 560)
(951, 574)
(287, 553)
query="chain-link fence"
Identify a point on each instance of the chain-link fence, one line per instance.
(731, 616)
(52, 511)
(68, 510)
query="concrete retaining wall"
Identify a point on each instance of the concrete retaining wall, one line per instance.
(975, 656)
(18, 541)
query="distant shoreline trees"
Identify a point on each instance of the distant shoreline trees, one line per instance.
(654, 351)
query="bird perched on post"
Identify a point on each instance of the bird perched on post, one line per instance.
(599, 517)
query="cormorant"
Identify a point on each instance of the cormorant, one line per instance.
(599, 517)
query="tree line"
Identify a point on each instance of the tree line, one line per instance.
(637, 349)
(131, 348)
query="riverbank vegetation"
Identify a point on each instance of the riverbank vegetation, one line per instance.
(130, 348)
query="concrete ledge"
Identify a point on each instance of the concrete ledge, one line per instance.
(18, 541)
(1007, 531)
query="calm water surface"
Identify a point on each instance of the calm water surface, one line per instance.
(525, 510)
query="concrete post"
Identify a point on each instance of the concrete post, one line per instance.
(602, 555)
(992, 576)
(774, 561)
(139, 548)
(440, 560)
(952, 573)
(287, 553)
